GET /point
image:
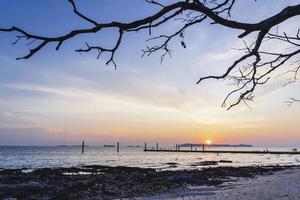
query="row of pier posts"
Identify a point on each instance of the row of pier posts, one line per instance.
(177, 147)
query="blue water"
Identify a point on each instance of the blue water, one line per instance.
(38, 157)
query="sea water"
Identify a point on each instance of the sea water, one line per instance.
(31, 157)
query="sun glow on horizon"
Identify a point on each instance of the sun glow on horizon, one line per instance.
(208, 142)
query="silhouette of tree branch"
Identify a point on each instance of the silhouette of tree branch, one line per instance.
(80, 14)
(252, 69)
(291, 101)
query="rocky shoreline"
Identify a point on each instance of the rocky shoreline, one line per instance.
(104, 182)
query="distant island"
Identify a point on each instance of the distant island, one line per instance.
(135, 146)
(215, 145)
(109, 145)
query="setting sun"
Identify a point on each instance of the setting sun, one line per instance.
(208, 141)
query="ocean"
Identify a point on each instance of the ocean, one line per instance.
(32, 157)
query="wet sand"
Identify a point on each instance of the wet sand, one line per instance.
(103, 182)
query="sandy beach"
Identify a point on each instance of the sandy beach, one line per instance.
(104, 182)
(279, 185)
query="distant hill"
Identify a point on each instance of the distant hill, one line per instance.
(109, 145)
(133, 146)
(216, 145)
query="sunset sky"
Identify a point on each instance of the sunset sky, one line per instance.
(63, 97)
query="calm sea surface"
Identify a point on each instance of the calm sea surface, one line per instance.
(38, 157)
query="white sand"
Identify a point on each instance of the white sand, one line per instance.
(279, 186)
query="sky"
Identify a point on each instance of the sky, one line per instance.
(63, 98)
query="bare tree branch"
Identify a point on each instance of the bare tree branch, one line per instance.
(252, 69)
(291, 101)
(81, 15)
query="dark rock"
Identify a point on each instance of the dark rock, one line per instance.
(171, 163)
(103, 182)
(10, 171)
(204, 163)
(225, 161)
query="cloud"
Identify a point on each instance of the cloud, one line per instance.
(7, 114)
(220, 56)
(68, 96)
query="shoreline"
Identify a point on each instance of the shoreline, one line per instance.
(105, 182)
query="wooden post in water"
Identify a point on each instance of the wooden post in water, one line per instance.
(191, 147)
(203, 147)
(156, 146)
(118, 147)
(82, 147)
(176, 147)
(145, 148)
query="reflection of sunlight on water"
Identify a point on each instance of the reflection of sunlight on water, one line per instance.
(35, 157)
